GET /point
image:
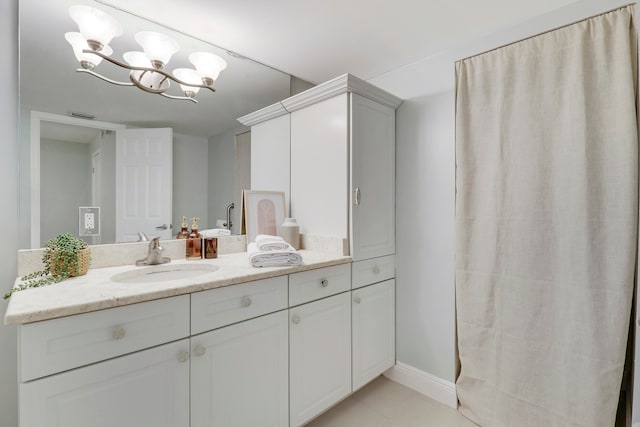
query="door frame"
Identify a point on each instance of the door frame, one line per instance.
(36, 118)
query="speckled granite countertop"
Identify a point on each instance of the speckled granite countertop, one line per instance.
(96, 290)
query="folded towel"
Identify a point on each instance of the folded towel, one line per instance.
(215, 232)
(273, 258)
(265, 242)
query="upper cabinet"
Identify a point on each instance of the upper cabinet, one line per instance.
(339, 139)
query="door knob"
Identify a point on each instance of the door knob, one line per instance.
(162, 227)
(200, 350)
(118, 333)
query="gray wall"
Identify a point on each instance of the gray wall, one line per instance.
(221, 174)
(9, 197)
(65, 173)
(425, 234)
(106, 144)
(425, 190)
(190, 176)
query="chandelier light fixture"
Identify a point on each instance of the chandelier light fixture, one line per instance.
(146, 68)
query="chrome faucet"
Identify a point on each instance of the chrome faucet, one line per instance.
(153, 256)
(228, 224)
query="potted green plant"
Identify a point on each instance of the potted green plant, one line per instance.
(64, 256)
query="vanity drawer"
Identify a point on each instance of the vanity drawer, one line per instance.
(315, 284)
(60, 344)
(373, 271)
(223, 306)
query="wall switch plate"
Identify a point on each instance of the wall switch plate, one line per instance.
(89, 219)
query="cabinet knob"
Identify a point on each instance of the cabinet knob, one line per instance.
(200, 350)
(183, 356)
(295, 319)
(356, 196)
(118, 333)
(246, 301)
(357, 300)
(324, 283)
(376, 269)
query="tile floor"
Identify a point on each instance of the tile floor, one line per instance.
(385, 403)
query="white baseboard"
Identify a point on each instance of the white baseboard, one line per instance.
(431, 386)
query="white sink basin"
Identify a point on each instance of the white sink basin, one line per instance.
(163, 273)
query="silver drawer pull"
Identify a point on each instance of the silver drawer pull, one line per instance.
(356, 196)
(200, 350)
(118, 333)
(376, 269)
(295, 319)
(324, 283)
(183, 356)
(246, 301)
(357, 300)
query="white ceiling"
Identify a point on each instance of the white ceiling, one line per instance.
(321, 39)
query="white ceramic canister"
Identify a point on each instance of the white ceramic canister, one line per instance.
(290, 231)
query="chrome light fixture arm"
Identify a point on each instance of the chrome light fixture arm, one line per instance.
(106, 79)
(136, 81)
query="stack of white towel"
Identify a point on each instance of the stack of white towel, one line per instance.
(215, 232)
(272, 251)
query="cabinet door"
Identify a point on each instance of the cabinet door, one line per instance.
(319, 167)
(239, 374)
(148, 388)
(373, 331)
(319, 355)
(372, 179)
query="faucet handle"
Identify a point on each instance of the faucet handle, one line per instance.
(154, 244)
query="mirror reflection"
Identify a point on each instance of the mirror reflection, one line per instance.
(74, 127)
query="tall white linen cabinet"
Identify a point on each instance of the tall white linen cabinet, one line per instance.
(331, 150)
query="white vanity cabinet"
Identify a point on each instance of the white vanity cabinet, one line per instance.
(319, 356)
(343, 171)
(342, 161)
(148, 388)
(239, 374)
(373, 326)
(67, 381)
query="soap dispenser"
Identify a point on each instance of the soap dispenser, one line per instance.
(194, 241)
(184, 232)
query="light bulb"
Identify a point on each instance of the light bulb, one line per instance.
(158, 47)
(147, 80)
(190, 76)
(87, 60)
(97, 28)
(208, 65)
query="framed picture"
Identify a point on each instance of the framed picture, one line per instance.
(263, 212)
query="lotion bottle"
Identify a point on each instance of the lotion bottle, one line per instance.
(184, 232)
(194, 241)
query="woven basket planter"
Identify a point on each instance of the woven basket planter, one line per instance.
(84, 259)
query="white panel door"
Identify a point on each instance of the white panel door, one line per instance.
(319, 167)
(148, 388)
(319, 356)
(239, 374)
(372, 179)
(374, 341)
(144, 181)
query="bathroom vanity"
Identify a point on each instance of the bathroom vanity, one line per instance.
(232, 345)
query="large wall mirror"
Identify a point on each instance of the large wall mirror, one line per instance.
(67, 158)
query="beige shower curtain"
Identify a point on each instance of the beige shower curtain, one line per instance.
(546, 224)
